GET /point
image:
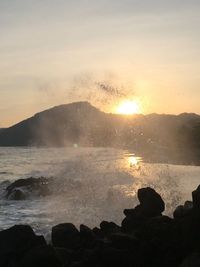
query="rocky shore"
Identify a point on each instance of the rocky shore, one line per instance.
(144, 238)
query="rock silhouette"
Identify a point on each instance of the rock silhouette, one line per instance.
(145, 238)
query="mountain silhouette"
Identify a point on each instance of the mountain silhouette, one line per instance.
(160, 138)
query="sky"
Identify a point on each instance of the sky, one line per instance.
(56, 52)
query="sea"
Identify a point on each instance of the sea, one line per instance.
(91, 185)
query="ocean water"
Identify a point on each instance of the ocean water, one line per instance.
(91, 185)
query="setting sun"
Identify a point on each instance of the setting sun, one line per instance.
(129, 108)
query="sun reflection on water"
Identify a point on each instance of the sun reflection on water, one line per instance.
(134, 162)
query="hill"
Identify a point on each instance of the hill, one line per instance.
(163, 138)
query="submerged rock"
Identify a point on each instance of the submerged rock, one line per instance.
(24, 188)
(17, 194)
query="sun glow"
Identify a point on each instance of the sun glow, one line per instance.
(129, 107)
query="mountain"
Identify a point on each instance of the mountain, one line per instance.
(164, 138)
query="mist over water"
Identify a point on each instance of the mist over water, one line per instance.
(89, 185)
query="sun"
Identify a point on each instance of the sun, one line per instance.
(129, 107)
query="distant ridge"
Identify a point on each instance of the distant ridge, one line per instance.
(158, 137)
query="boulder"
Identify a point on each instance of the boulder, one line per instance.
(65, 235)
(16, 241)
(151, 203)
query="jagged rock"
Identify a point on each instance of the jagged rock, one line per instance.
(40, 257)
(65, 235)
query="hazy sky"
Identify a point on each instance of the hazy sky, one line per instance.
(58, 51)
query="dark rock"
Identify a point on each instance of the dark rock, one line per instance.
(19, 237)
(116, 257)
(190, 231)
(16, 194)
(109, 227)
(160, 242)
(65, 235)
(124, 241)
(40, 257)
(192, 260)
(37, 186)
(98, 232)
(196, 198)
(183, 210)
(64, 255)
(157, 227)
(132, 221)
(88, 238)
(151, 203)
(16, 241)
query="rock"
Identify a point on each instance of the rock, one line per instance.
(191, 261)
(16, 241)
(160, 227)
(98, 232)
(124, 241)
(64, 255)
(32, 186)
(196, 198)
(183, 210)
(17, 194)
(116, 257)
(151, 203)
(40, 257)
(66, 236)
(88, 238)
(188, 205)
(19, 237)
(132, 221)
(109, 227)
